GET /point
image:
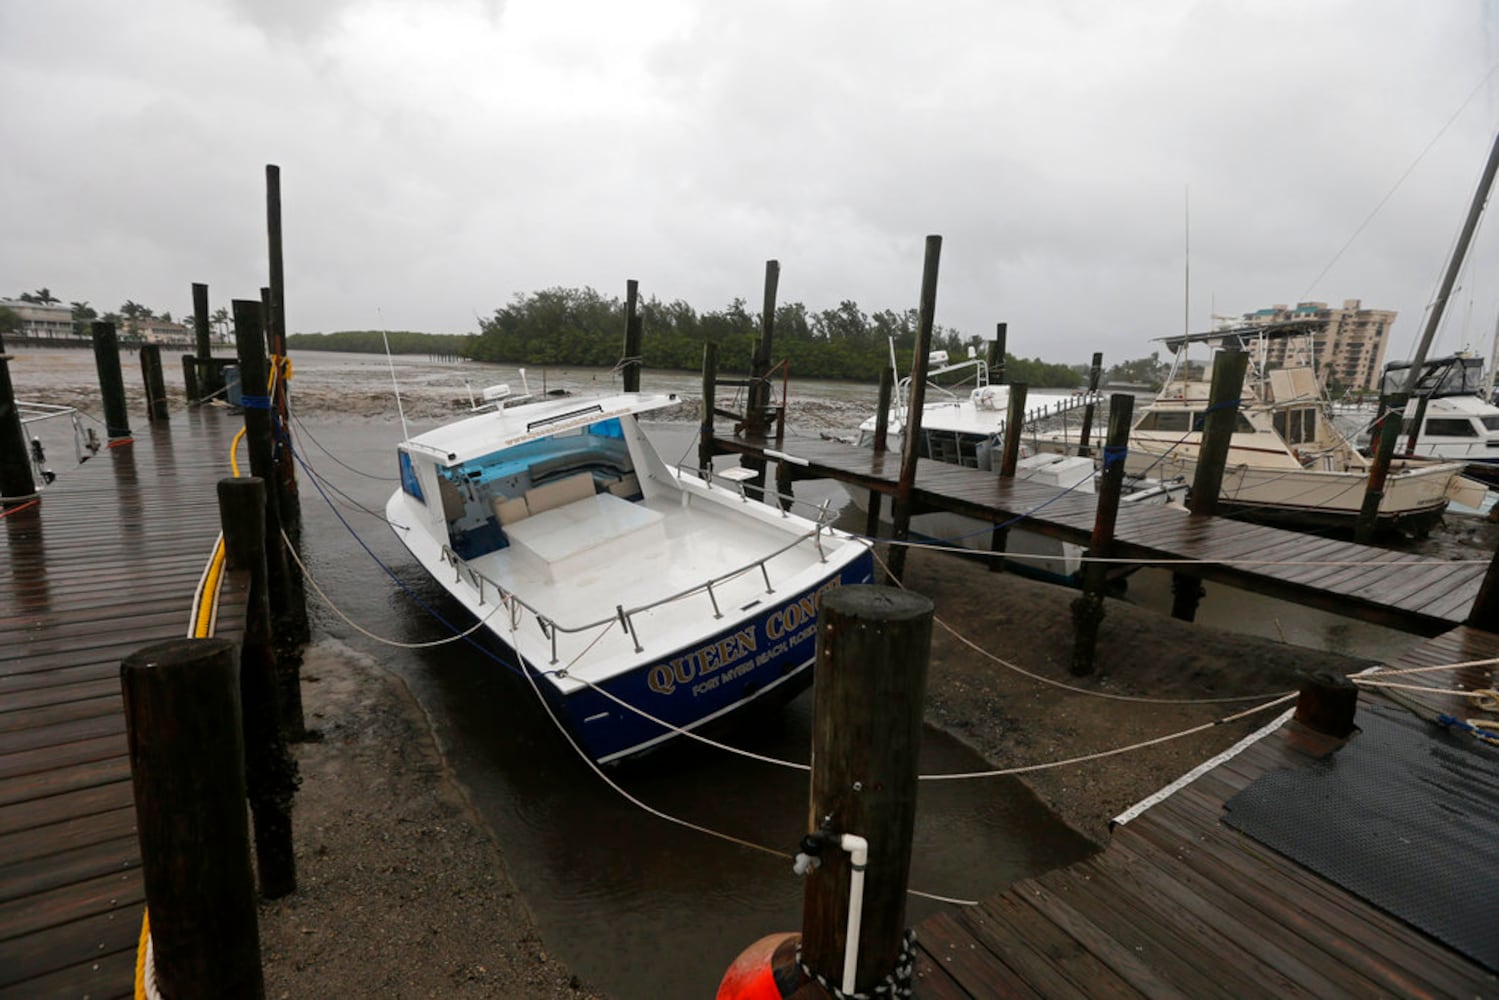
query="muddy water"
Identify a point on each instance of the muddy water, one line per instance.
(636, 905)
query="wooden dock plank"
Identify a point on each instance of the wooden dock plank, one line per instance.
(107, 563)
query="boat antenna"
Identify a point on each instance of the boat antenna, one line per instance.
(1186, 259)
(405, 433)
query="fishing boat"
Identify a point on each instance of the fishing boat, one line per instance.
(963, 423)
(1288, 464)
(641, 600)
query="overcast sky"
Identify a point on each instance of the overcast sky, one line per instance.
(439, 157)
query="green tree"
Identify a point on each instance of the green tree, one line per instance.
(10, 321)
(83, 314)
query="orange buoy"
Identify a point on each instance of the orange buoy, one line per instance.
(766, 970)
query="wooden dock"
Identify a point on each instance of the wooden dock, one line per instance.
(1422, 596)
(107, 563)
(1182, 905)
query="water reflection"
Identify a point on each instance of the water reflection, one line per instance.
(28, 570)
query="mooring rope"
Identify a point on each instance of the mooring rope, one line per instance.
(307, 574)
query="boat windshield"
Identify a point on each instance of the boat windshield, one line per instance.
(1442, 377)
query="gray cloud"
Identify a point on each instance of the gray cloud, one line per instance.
(439, 157)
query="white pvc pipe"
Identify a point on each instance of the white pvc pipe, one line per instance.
(858, 856)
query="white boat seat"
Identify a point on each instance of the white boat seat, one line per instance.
(508, 510)
(560, 493)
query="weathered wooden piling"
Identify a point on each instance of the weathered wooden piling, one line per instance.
(997, 354)
(290, 620)
(1327, 704)
(630, 366)
(1009, 458)
(1014, 424)
(1087, 608)
(1212, 459)
(111, 381)
(270, 770)
(911, 442)
(881, 433)
(1095, 372)
(17, 484)
(1386, 434)
(705, 449)
(190, 378)
(202, 345)
(1484, 613)
(758, 394)
(287, 496)
(182, 719)
(156, 386)
(873, 644)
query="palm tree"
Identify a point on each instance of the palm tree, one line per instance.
(45, 296)
(221, 322)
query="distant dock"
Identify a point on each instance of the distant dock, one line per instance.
(1405, 592)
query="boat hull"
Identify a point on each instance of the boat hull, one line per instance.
(759, 662)
(1316, 500)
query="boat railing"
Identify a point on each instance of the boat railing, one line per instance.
(551, 628)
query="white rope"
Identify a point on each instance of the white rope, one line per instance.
(1084, 758)
(307, 574)
(1164, 561)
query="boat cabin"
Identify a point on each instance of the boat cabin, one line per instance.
(481, 497)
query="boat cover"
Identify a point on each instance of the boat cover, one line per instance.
(1404, 815)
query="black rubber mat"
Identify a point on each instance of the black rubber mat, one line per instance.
(1405, 815)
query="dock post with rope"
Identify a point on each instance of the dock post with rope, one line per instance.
(873, 645)
(270, 769)
(1087, 608)
(182, 716)
(290, 621)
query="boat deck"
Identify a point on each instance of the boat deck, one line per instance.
(1424, 596)
(1181, 904)
(651, 550)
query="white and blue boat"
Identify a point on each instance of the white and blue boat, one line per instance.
(641, 599)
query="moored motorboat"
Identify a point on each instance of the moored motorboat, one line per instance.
(1287, 463)
(640, 599)
(963, 423)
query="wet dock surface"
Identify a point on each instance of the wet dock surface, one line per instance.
(105, 564)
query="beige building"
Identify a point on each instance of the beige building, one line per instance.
(1349, 350)
(41, 321)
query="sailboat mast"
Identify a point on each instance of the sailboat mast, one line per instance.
(1480, 198)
